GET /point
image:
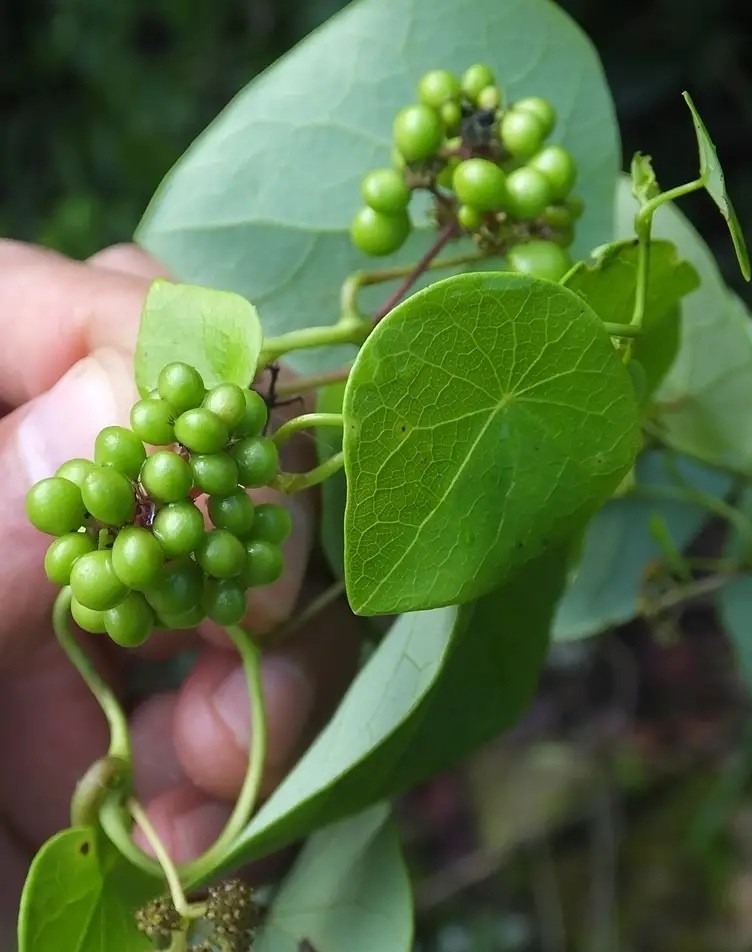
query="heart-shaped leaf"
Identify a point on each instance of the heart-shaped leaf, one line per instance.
(485, 419)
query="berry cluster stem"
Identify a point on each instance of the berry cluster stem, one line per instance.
(304, 422)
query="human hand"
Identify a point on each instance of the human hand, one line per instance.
(66, 370)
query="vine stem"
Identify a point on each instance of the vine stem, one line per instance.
(304, 422)
(350, 329)
(650, 207)
(313, 381)
(296, 482)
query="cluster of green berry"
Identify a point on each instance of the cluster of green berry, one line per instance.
(488, 167)
(133, 545)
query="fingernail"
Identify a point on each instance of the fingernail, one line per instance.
(288, 700)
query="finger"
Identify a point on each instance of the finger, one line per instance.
(186, 821)
(302, 681)
(128, 259)
(155, 762)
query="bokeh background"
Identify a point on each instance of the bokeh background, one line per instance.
(618, 817)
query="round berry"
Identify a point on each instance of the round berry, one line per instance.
(489, 98)
(225, 601)
(542, 109)
(86, 618)
(166, 476)
(63, 554)
(576, 207)
(264, 563)
(258, 461)
(120, 449)
(95, 583)
(255, 416)
(181, 386)
(469, 218)
(55, 506)
(559, 168)
(227, 401)
(557, 216)
(153, 421)
(377, 234)
(221, 554)
(521, 133)
(385, 190)
(214, 473)
(108, 496)
(234, 512)
(564, 236)
(178, 528)
(177, 589)
(475, 79)
(480, 183)
(201, 431)
(541, 259)
(451, 116)
(418, 132)
(137, 557)
(75, 470)
(130, 623)
(445, 176)
(528, 192)
(437, 87)
(182, 620)
(272, 523)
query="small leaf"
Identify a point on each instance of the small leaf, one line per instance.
(349, 889)
(80, 895)
(215, 331)
(334, 491)
(644, 183)
(485, 419)
(608, 285)
(712, 173)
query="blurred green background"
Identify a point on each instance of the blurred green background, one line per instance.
(99, 99)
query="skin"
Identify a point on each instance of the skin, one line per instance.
(66, 370)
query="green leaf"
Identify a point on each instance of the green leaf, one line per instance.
(215, 331)
(262, 202)
(607, 283)
(605, 586)
(486, 418)
(349, 889)
(81, 896)
(329, 399)
(735, 606)
(406, 715)
(644, 183)
(703, 402)
(715, 185)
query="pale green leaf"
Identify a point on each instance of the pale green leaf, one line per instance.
(486, 418)
(215, 331)
(349, 889)
(262, 202)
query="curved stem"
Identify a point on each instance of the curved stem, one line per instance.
(295, 482)
(304, 422)
(116, 824)
(649, 208)
(350, 330)
(100, 780)
(205, 865)
(313, 381)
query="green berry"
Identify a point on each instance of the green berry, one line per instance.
(489, 98)
(55, 506)
(181, 386)
(227, 401)
(120, 449)
(445, 176)
(451, 116)
(264, 563)
(385, 190)
(541, 259)
(178, 528)
(177, 589)
(225, 601)
(130, 623)
(272, 523)
(475, 79)
(469, 218)
(258, 461)
(398, 160)
(521, 133)
(564, 236)
(166, 476)
(377, 234)
(86, 618)
(94, 582)
(234, 512)
(528, 192)
(201, 431)
(214, 473)
(542, 109)
(576, 207)
(75, 470)
(63, 554)
(480, 183)
(255, 416)
(182, 620)
(559, 168)
(418, 132)
(556, 216)
(437, 87)
(221, 554)
(153, 421)
(137, 557)
(108, 496)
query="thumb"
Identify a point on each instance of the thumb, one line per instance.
(35, 440)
